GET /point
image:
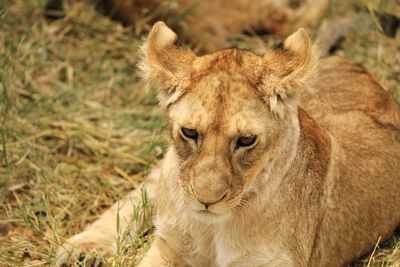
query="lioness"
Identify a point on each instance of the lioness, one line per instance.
(273, 162)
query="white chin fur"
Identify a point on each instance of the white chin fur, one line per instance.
(209, 217)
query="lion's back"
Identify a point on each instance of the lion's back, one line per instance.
(345, 87)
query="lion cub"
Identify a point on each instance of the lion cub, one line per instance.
(260, 172)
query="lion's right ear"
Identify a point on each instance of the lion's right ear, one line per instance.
(165, 64)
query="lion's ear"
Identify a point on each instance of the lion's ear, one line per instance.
(287, 69)
(165, 64)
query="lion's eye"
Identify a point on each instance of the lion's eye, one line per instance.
(245, 141)
(189, 133)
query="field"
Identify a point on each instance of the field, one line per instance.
(78, 129)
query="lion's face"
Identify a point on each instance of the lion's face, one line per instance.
(230, 114)
(224, 135)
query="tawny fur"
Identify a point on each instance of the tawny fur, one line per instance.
(319, 187)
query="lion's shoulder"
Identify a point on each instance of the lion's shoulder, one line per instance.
(345, 87)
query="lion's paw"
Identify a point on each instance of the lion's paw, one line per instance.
(86, 249)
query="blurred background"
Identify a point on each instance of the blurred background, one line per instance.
(78, 129)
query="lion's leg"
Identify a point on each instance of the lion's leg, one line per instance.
(160, 254)
(102, 236)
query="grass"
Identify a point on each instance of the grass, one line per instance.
(78, 129)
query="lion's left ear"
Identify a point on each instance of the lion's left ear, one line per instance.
(287, 69)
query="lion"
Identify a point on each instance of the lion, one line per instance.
(285, 159)
(208, 24)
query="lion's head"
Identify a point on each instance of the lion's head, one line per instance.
(231, 115)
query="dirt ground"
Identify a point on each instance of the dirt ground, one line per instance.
(78, 130)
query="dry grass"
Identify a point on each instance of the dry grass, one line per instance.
(78, 130)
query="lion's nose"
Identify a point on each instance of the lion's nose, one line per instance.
(210, 193)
